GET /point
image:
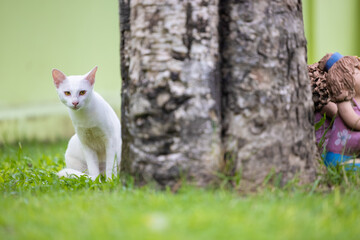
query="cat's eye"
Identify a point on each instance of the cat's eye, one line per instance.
(82, 92)
(67, 93)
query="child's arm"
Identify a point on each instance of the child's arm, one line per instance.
(347, 113)
(330, 109)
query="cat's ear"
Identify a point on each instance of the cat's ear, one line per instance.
(91, 75)
(58, 77)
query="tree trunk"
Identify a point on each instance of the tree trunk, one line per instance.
(268, 111)
(174, 75)
(170, 94)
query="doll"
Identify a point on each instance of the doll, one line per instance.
(322, 104)
(342, 77)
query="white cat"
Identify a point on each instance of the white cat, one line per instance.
(96, 146)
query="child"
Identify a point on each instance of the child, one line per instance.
(342, 76)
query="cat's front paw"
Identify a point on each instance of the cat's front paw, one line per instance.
(95, 178)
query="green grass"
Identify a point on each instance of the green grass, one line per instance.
(35, 204)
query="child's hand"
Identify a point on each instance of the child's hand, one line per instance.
(347, 113)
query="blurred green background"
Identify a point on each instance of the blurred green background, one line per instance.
(76, 35)
(38, 35)
(331, 26)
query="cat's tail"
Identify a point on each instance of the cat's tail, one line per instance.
(68, 172)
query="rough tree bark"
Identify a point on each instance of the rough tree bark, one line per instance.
(268, 111)
(183, 69)
(170, 93)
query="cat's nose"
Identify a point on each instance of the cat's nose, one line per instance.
(75, 103)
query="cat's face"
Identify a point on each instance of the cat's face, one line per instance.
(74, 91)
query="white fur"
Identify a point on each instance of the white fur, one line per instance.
(96, 146)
